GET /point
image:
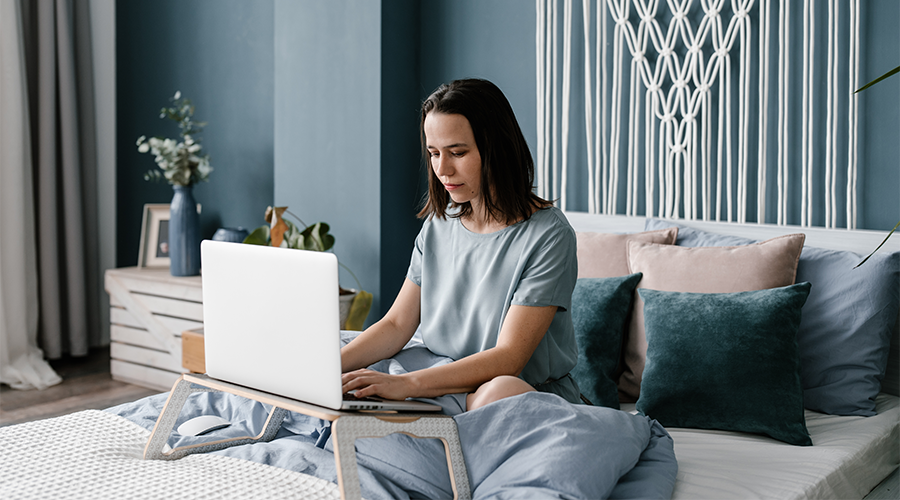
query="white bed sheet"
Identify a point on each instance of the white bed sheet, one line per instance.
(849, 457)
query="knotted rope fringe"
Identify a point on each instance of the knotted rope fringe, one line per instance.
(687, 91)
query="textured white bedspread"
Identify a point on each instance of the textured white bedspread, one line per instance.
(96, 455)
(849, 457)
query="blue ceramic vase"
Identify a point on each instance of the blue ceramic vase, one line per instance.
(230, 234)
(184, 233)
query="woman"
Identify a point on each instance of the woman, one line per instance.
(492, 272)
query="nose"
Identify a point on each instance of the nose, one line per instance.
(441, 168)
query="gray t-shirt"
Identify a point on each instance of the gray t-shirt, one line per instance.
(469, 280)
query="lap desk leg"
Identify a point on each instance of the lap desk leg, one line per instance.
(346, 429)
(156, 445)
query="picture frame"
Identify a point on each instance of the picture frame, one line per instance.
(154, 251)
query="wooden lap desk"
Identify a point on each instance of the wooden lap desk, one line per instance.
(346, 428)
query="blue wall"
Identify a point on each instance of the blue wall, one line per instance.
(879, 131)
(315, 105)
(327, 125)
(492, 40)
(219, 53)
(403, 179)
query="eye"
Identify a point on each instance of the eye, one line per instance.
(433, 154)
(458, 154)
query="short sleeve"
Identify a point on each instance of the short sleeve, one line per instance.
(549, 275)
(414, 273)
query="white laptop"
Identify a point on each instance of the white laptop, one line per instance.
(271, 322)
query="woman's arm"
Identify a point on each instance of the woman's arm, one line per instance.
(522, 331)
(386, 337)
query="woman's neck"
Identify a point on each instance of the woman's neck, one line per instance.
(481, 226)
(479, 221)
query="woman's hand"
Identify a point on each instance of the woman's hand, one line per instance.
(522, 331)
(372, 383)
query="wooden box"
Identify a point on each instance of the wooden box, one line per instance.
(149, 310)
(193, 356)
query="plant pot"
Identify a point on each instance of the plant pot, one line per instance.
(345, 302)
(184, 233)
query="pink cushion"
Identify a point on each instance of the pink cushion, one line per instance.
(768, 264)
(602, 255)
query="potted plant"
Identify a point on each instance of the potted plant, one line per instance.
(864, 87)
(354, 303)
(182, 166)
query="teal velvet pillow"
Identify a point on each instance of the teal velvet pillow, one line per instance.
(725, 361)
(845, 336)
(600, 311)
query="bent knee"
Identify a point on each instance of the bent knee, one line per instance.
(496, 389)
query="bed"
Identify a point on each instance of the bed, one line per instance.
(536, 445)
(851, 454)
(531, 446)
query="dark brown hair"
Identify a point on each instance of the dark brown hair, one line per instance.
(507, 169)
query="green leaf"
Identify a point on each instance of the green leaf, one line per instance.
(259, 236)
(316, 237)
(359, 310)
(879, 246)
(292, 236)
(882, 77)
(328, 241)
(152, 176)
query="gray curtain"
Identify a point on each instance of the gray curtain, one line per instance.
(61, 109)
(22, 364)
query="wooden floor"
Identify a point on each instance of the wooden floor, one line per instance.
(86, 384)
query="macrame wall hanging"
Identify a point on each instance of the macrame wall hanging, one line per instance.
(735, 110)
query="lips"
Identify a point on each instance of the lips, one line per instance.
(451, 187)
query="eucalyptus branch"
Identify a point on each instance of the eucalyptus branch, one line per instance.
(180, 161)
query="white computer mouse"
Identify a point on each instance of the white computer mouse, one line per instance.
(201, 425)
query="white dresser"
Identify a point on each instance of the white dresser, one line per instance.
(149, 309)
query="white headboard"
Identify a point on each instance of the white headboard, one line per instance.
(857, 241)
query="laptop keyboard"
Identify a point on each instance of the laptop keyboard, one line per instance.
(354, 398)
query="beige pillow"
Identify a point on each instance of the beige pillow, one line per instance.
(602, 255)
(768, 264)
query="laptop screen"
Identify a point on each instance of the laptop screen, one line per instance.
(271, 320)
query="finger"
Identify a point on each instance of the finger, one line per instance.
(346, 377)
(358, 382)
(366, 391)
(351, 385)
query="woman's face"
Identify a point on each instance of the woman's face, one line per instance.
(454, 156)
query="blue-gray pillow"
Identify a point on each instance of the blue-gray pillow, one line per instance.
(600, 311)
(725, 361)
(845, 336)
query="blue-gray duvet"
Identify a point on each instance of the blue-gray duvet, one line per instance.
(535, 445)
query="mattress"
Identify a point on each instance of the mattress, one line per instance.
(849, 457)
